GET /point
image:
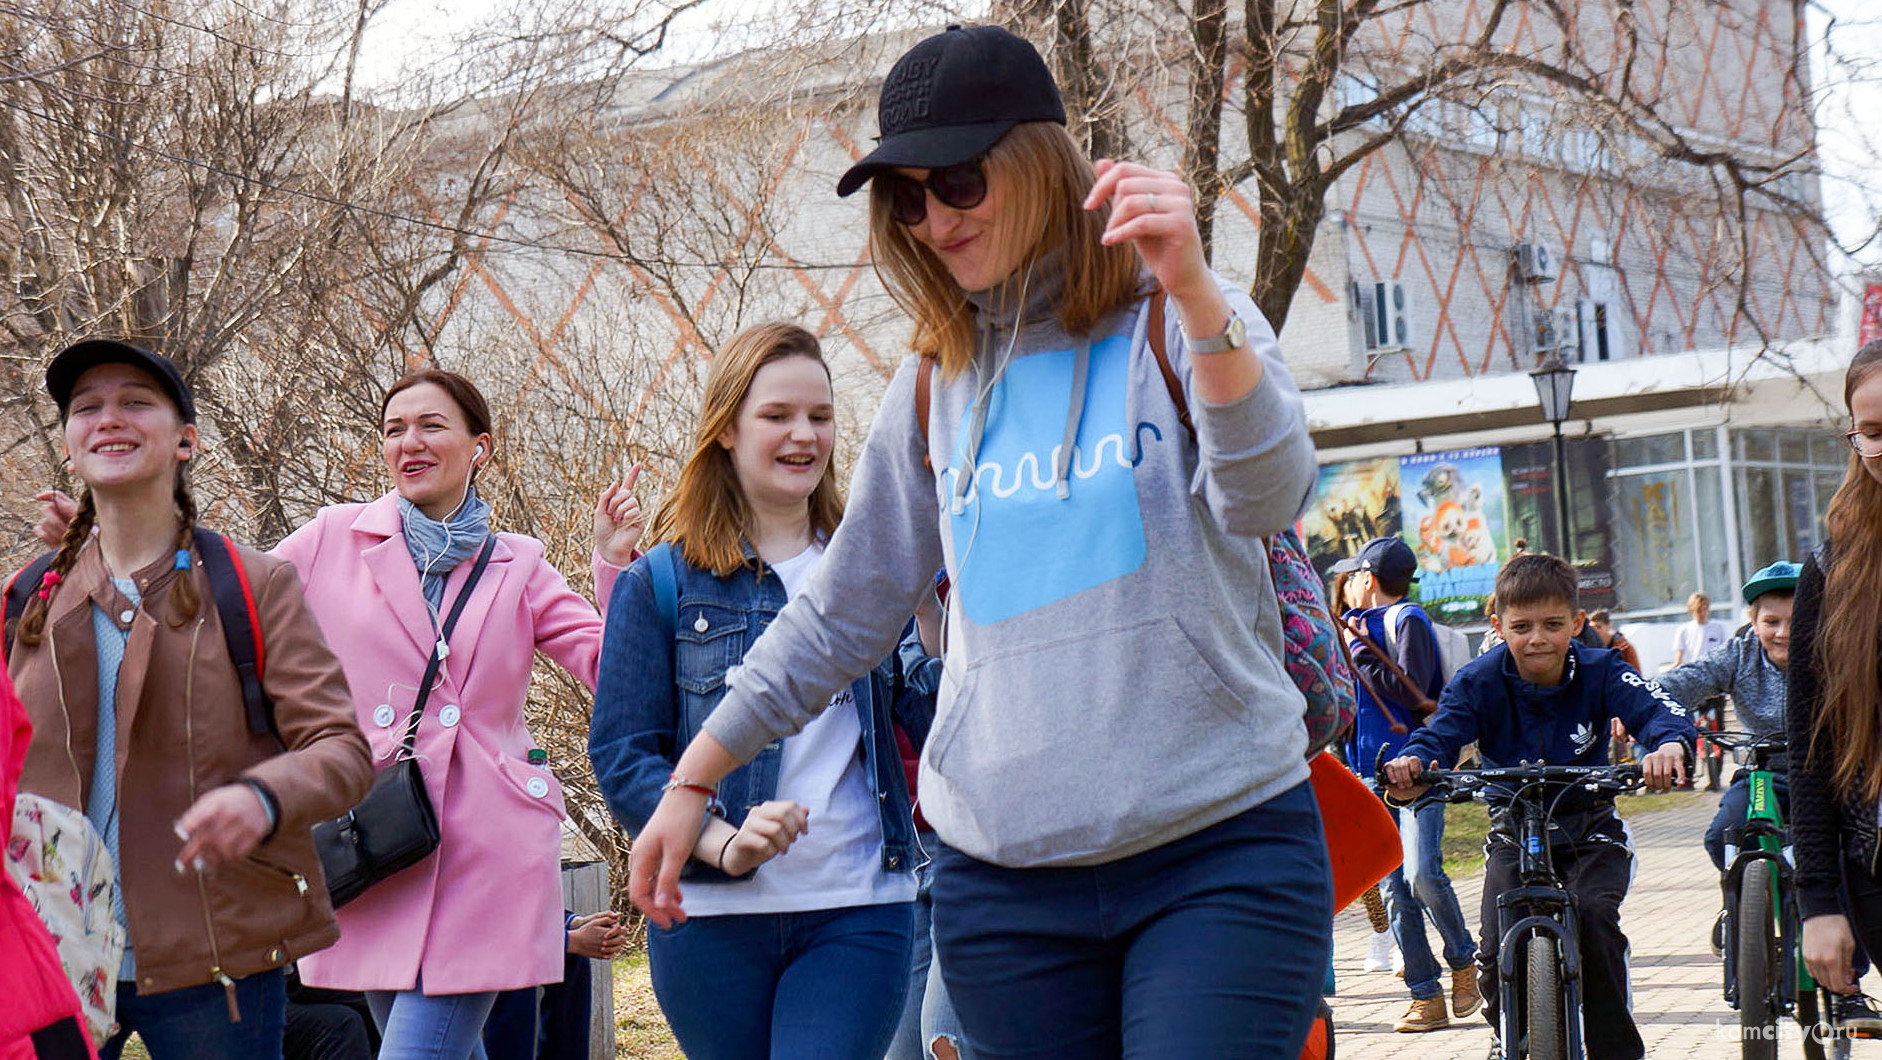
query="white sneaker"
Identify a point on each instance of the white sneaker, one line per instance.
(1381, 953)
(1398, 962)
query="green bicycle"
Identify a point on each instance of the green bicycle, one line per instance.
(1764, 979)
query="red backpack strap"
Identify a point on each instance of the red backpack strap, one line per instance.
(1170, 382)
(241, 626)
(924, 392)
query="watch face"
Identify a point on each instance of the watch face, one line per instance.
(1237, 333)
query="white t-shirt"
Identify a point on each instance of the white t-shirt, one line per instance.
(1692, 641)
(837, 862)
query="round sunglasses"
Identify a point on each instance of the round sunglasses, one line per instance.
(960, 187)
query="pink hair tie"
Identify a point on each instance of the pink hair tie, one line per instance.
(46, 582)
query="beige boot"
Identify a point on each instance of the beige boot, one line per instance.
(1466, 999)
(1425, 1014)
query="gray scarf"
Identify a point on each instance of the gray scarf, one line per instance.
(438, 547)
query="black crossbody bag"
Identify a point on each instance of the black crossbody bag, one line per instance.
(394, 827)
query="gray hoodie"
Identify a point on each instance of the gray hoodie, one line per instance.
(1113, 676)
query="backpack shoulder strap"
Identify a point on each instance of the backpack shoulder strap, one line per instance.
(1170, 382)
(1390, 622)
(664, 570)
(241, 626)
(924, 396)
(19, 588)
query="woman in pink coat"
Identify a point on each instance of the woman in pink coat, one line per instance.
(434, 944)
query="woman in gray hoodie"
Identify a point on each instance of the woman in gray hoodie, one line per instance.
(1133, 862)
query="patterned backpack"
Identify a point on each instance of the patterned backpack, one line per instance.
(60, 862)
(1316, 655)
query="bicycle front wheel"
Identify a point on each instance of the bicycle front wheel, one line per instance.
(1757, 964)
(1544, 1029)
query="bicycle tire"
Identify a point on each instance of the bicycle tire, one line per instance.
(1757, 964)
(1543, 1029)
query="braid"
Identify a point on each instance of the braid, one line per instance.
(188, 601)
(32, 627)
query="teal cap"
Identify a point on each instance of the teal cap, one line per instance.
(1780, 575)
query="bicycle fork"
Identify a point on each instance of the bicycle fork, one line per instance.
(1559, 924)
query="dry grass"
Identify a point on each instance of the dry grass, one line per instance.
(640, 1031)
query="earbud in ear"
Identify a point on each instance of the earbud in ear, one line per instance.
(478, 453)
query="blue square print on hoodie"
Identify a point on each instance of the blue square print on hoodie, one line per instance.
(1018, 546)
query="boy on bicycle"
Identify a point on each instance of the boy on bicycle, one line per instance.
(1540, 696)
(1751, 668)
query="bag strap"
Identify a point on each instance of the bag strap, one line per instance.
(408, 747)
(241, 627)
(1170, 382)
(1420, 703)
(19, 588)
(666, 589)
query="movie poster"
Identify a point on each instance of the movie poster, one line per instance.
(1456, 520)
(1352, 503)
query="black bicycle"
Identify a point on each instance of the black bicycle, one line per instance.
(1539, 964)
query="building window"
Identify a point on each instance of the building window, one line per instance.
(1785, 479)
(1670, 528)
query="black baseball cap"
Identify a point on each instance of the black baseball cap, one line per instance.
(952, 97)
(1386, 557)
(62, 374)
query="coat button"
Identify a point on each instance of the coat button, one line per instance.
(382, 715)
(449, 716)
(537, 787)
(126, 615)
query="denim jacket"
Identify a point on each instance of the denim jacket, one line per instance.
(653, 695)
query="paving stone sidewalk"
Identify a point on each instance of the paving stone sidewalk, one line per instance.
(1667, 915)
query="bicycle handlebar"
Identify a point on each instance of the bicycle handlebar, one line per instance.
(1461, 785)
(1735, 740)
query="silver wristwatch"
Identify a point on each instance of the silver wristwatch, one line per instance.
(1233, 337)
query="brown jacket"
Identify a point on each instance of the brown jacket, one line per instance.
(181, 732)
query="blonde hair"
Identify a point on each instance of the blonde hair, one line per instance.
(1044, 180)
(706, 516)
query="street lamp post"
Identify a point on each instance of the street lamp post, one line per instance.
(1555, 383)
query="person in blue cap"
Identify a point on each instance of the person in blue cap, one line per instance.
(1379, 578)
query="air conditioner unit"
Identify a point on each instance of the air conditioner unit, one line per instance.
(1389, 321)
(1535, 262)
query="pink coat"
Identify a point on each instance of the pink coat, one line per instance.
(485, 911)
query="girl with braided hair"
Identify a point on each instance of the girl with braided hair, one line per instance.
(138, 714)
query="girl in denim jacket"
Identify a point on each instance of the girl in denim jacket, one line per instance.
(799, 939)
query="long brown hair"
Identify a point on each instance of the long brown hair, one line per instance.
(1044, 179)
(1848, 636)
(705, 516)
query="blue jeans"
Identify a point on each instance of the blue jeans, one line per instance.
(1213, 945)
(193, 1023)
(416, 1026)
(1419, 889)
(821, 985)
(1732, 807)
(928, 1013)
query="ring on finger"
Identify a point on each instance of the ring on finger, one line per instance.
(1153, 201)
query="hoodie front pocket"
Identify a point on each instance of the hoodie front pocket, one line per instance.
(1096, 742)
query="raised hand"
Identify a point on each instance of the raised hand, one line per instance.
(1154, 211)
(618, 520)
